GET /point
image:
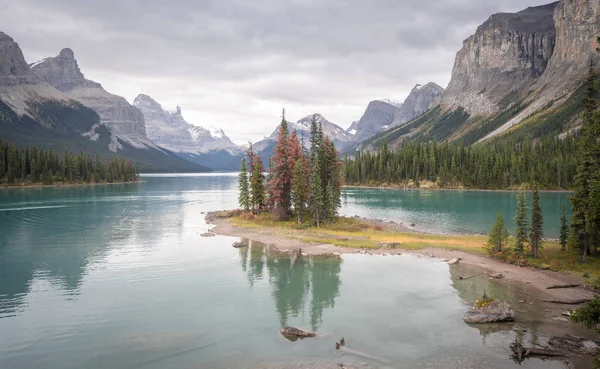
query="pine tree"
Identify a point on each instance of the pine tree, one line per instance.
(244, 187)
(564, 229)
(300, 189)
(521, 230)
(498, 236)
(537, 224)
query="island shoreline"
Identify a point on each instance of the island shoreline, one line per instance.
(537, 278)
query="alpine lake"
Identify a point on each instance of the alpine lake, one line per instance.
(117, 276)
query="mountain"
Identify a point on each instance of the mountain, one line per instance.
(34, 112)
(519, 76)
(205, 146)
(420, 99)
(379, 115)
(337, 134)
(63, 73)
(383, 114)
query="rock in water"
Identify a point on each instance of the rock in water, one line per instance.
(497, 311)
(293, 333)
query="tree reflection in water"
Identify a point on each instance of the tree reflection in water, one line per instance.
(313, 281)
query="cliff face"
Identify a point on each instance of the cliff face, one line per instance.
(507, 53)
(13, 67)
(63, 73)
(577, 25)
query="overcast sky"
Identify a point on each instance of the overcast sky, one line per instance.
(235, 64)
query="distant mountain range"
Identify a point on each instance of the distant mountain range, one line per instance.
(519, 75)
(205, 146)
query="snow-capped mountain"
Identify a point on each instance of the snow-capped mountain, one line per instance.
(337, 134)
(206, 146)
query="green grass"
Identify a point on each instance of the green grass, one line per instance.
(355, 233)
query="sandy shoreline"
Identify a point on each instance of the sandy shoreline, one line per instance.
(537, 278)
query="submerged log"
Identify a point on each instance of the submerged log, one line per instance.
(520, 353)
(341, 346)
(568, 302)
(471, 276)
(295, 255)
(454, 261)
(563, 286)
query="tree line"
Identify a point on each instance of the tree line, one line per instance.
(33, 165)
(549, 162)
(300, 182)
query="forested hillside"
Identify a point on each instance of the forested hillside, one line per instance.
(37, 166)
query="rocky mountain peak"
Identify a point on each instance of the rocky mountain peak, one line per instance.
(67, 53)
(379, 115)
(420, 99)
(63, 72)
(14, 69)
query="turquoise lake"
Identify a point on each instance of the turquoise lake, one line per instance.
(118, 277)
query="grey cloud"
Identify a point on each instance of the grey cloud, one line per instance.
(217, 54)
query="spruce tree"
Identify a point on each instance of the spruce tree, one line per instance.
(521, 231)
(564, 229)
(257, 182)
(244, 187)
(330, 209)
(498, 236)
(300, 189)
(316, 190)
(280, 181)
(537, 224)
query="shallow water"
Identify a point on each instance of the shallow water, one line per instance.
(119, 277)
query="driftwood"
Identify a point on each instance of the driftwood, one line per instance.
(471, 276)
(520, 353)
(295, 256)
(454, 261)
(341, 346)
(563, 286)
(568, 302)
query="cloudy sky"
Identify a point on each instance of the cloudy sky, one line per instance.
(236, 63)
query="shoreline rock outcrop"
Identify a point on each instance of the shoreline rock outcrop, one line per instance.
(494, 312)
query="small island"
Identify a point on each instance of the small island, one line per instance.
(29, 167)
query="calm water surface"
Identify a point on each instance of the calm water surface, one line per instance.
(449, 211)
(118, 277)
